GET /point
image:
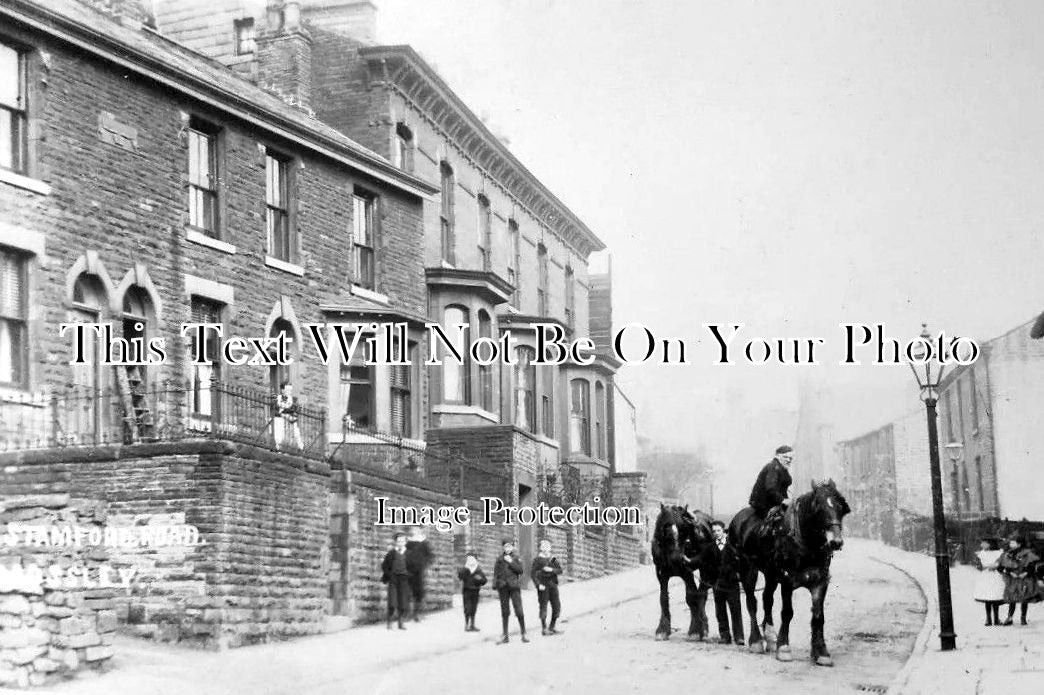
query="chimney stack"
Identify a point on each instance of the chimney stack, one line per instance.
(284, 54)
(356, 19)
(132, 13)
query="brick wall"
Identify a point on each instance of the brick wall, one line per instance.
(264, 517)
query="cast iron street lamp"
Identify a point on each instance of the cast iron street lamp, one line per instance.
(928, 368)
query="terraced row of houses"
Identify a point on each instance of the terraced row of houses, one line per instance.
(265, 165)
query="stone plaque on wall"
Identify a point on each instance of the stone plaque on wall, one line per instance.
(115, 133)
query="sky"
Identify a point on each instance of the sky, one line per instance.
(789, 166)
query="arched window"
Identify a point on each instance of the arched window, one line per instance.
(88, 300)
(279, 374)
(600, 423)
(89, 380)
(446, 213)
(485, 371)
(525, 388)
(137, 312)
(456, 376)
(580, 416)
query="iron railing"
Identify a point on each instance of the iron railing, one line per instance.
(168, 411)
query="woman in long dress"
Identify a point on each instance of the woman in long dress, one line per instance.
(1020, 584)
(989, 588)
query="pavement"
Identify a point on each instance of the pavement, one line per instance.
(994, 660)
(312, 664)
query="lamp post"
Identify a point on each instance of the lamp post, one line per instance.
(928, 368)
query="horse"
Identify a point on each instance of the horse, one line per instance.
(679, 537)
(795, 553)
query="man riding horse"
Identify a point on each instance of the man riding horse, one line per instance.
(791, 546)
(770, 489)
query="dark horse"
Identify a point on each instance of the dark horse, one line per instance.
(678, 541)
(796, 553)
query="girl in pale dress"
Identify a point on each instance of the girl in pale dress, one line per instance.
(989, 588)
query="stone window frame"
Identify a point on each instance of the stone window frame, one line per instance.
(465, 380)
(241, 37)
(406, 392)
(362, 359)
(600, 413)
(448, 182)
(36, 65)
(580, 413)
(216, 370)
(525, 395)
(287, 207)
(19, 319)
(370, 201)
(405, 145)
(514, 266)
(484, 232)
(543, 300)
(486, 375)
(570, 297)
(215, 133)
(17, 113)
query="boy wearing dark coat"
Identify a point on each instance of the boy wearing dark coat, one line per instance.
(395, 574)
(719, 568)
(472, 578)
(544, 573)
(507, 580)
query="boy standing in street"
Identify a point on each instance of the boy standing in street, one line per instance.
(719, 568)
(507, 580)
(544, 572)
(472, 578)
(395, 574)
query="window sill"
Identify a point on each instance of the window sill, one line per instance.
(370, 294)
(452, 409)
(29, 184)
(285, 266)
(202, 239)
(13, 394)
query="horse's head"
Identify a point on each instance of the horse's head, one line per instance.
(828, 508)
(679, 534)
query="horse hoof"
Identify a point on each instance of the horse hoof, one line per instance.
(783, 654)
(662, 636)
(756, 647)
(824, 661)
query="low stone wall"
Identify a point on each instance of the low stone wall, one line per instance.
(358, 545)
(257, 570)
(52, 622)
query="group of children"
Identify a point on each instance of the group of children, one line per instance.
(507, 582)
(1008, 576)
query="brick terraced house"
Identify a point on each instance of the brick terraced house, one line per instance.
(263, 166)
